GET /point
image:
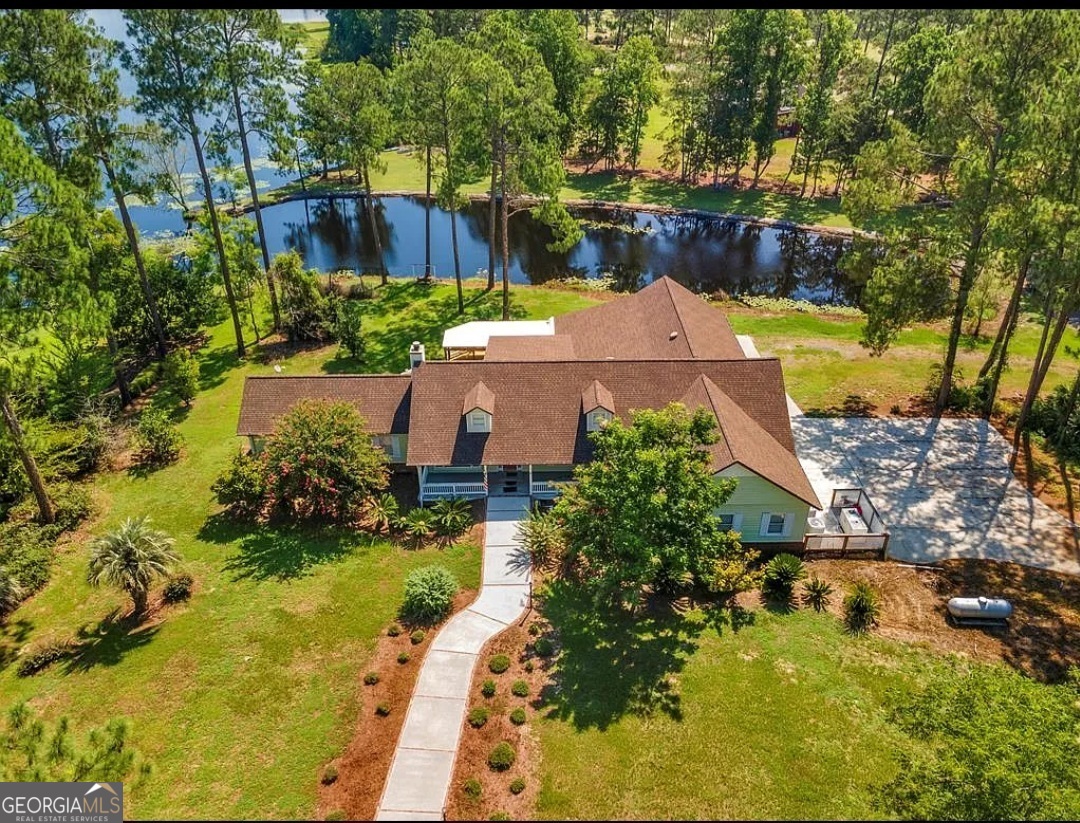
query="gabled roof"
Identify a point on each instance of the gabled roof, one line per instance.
(540, 404)
(479, 397)
(744, 441)
(552, 347)
(382, 399)
(663, 321)
(597, 396)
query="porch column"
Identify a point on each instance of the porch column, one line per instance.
(486, 490)
(530, 480)
(421, 472)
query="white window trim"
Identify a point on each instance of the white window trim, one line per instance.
(478, 421)
(597, 419)
(736, 520)
(785, 531)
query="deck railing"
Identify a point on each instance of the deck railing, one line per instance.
(847, 545)
(434, 490)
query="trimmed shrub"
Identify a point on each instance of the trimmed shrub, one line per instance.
(157, 437)
(517, 786)
(862, 608)
(478, 717)
(182, 375)
(472, 788)
(178, 588)
(429, 594)
(403, 658)
(499, 664)
(488, 689)
(382, 709)
(781, 574)
(502, 757)
(371, 678)
(520, 689)
(543, 647)
(241, 488)
(39, 659)
(329, 775)
(417, 637)
(518, 716)
(393, 630)
(349, 328)
(818, 594)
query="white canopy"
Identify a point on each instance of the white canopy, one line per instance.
(475, 335)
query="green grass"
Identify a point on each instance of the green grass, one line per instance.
(313, 36)
(238, 697)
(780, 718)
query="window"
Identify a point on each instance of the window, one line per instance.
(730, 522)
(478, 421)
(774, 525)
(597, 419)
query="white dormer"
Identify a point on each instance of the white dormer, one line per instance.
(598, 405)
(478, 408)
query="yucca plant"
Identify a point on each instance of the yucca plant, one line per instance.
(11, 593)
(817, 594)
(862, 607)
(451, 517)
(781, 575)
(418, 525)
(383, 512)
(130, 557)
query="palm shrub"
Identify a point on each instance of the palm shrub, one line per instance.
(130, 557)
(157, 437)
(862, 607)
(182, 375)
(781, 574)
(451, 517)
(817, 594)
(541, 534)
(241, 488)
(383, 512)
(429, 594)
(418, 525)
(11, 592)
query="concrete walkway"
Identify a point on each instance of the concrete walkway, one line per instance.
(423, 763)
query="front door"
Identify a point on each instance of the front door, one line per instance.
(510, 480)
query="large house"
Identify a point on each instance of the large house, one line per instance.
(509, 409)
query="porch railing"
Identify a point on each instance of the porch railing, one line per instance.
(542, 488)
(433, 490)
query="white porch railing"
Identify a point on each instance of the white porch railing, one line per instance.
(433, 490)
(542, 488)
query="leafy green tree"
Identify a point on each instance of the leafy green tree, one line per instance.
(32, 752)
(555, 35)
(242, 253)
(993, 745)
(157, 436)
(619, 111)
(178, 84)
(322, 463)
(350, 332)
(912, 65)
(255, 54)
(304, 311)
(182, 375)
(241, 488)
(130, 557)
(318, 126)
(784, 61)
(379, 36)
(643, 511)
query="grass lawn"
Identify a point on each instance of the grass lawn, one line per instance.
(781, 718)
(238, 697)
(313, 35)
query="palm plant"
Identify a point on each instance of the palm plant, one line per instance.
(542, 536)
(383, 511)
(862, 606)
(817, 593)
(451, 517)
(11, 593)
(781, 575)
(418, 525)
(130, 557)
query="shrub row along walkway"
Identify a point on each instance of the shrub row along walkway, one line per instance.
(423, 763)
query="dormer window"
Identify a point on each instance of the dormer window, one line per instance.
(598, 406)
(478, 408)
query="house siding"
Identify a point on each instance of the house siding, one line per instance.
(753, 497)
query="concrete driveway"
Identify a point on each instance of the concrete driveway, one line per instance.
(943, 487)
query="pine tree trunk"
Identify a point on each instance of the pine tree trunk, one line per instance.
(884, 51)
(208, 195)
(492, 219)
(256, 207)
(505, 212)
(140, 264)
(46, 512)
(967, 279)
(121, 379)
(427, 217)
(1012, 309)
(374, 226)
(457, 261)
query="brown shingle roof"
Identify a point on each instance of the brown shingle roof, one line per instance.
(479, 397)
(383, 399)
(596, 395)
(540, 417)
(742, 440)
(530, 347)
(663, 321)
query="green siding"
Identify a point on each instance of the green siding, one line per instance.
(753, 496)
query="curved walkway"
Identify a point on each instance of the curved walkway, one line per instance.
(420, 773)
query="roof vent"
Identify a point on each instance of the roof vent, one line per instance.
(673, 335)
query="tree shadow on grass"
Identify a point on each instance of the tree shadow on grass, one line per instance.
(107, 643)
(215, 365)
(13, 634)
(854, 405)
(613, 663)
(276, 551)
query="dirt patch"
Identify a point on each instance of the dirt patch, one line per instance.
(1043, 636)
(363, 768)
(476, 744)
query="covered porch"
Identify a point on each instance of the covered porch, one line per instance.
(474, 482)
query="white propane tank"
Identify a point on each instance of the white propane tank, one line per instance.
(980, 608)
